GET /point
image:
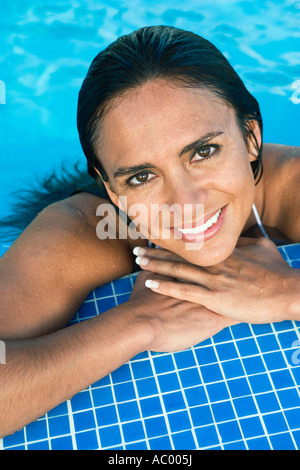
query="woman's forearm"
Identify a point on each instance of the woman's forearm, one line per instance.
(294, 303)
(43, 372)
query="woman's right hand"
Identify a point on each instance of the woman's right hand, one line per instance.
(176, 324)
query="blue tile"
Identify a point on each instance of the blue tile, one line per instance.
(282, 442)
(196, 396)
(163, 364)
(105, 304)
(104, 291)
(81, 401)
(223, 411)
(229, 431)
(261, 443)
(142, 369)
(184, 441)
(160, 443)
(122, 285)
(15, 439)
(83, 420)
(251, 427)
(293, 251)
(58, 426)
(61, 409)
(282, 379)
(296, 374)
(242, 330)
(156, 426)
(253, 365)
(260, 383)
(287, 338)
(211, 373)
(217, 392)
(238, 387)
(233, 368)
(244, 406)
(168, 382)
(174, 401)
(42, 445)
(137, 446)
(205, 355)
(122, 374)
(110, 436)
(207, 436)
(128, 411)
(87, 440)
(150, 406)
(124, 391)
(274, 361)
(267, 402)
(179, 421)
(289, 398)
(121, 298)
(184, 359)
(146, 387)
(62, 443)
(87, 310)
(189, 377)
(226, 351)
(238, 445)
(275, 422)
(106, 415)
(296, 436)
(223, 335)
(201, 415)
(37, 430)
(247, 347)
(133, 431)
(267, 343)
(262, 328)
(293, 418)
(102, 396)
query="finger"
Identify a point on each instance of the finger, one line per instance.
(175, 269)
(181, 291)
(156, 253)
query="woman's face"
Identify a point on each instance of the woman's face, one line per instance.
(181, 147)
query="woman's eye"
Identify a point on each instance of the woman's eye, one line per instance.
(140, 179)
(204, 152)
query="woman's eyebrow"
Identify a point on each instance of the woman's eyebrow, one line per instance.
(200, 142)
(129, 170)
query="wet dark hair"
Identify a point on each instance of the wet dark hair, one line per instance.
(160, 52)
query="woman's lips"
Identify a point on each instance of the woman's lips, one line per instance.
(196, 232)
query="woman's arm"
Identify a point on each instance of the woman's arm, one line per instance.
(45, 277)
(52, 267)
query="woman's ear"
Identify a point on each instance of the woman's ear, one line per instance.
(113, 196)
(254, 140)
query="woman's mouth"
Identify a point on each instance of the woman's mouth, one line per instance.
(201, 232)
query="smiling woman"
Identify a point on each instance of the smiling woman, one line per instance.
(165, 122)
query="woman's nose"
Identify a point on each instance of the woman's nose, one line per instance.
(187, 191)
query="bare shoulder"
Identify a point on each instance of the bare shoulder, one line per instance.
(282, 181)
(54, 264)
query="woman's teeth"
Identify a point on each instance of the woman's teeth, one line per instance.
(201, 228)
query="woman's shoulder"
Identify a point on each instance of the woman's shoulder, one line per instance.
(281, 187)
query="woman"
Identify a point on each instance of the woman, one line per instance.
(163, 120)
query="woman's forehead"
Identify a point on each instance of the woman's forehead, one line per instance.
(159, 114)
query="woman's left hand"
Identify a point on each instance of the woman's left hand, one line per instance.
(254, 284)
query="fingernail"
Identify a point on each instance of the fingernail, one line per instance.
(141, 261)
(152, 284)
(137, 250)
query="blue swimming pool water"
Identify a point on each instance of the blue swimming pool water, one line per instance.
(47, 46)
